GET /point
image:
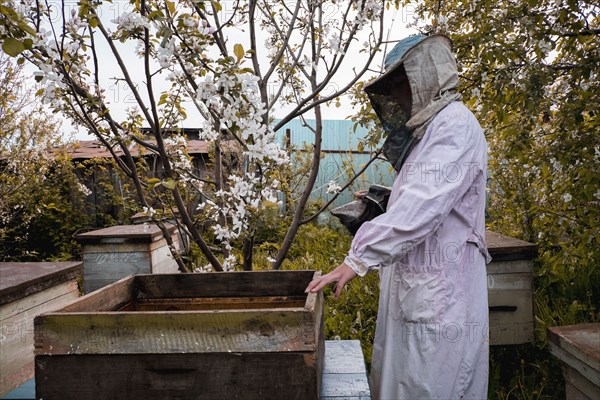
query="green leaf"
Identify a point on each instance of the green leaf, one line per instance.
(169, 184)
(217, 6)
(23, 26)
(163, 99)
(239, 52)
(171, 7)
(9, 12)
(13, 47)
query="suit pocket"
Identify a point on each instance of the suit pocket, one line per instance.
(423, 293)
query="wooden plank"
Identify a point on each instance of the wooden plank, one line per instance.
(163, 242)
(580, 342)
(313, 300)
(268, 330)
(162, 262)
(16, 331)
(19, 280)
(511, 305)
(502, 247)
(102, 265)
(579, 387)
(345, 386)
(124, 234)
(125, 248)
(10, 310)
(511, 317)
(510, 267)
(578, 346)
(344, 362)
(224, 284)
(103, 269)
(208, 376)
(215, 303)
(575, 364)
(110, 298)
(344, 357)
(500, 282)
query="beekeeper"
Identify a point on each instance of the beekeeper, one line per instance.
(431, 340)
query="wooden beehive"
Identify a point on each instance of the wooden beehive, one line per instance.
(113, 253)
(510, 289)
(237, 335)
(26, 290)
(578, 347)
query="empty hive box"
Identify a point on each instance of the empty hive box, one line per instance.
(110, 254)
(578, 347)
(26, 290)
(251, 335)
(510, 289)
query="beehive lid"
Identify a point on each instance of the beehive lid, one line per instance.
(578, 346)
(21, 279)
(503, 248)
(139, 233)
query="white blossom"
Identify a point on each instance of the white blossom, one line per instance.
(567, 197)
(149, 211)
(229, 263)
(83, 189)
(333, 187)
(206, 30)
(129, 21)
(204, 269)
(165, 53)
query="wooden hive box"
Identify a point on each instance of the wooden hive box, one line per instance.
(236, 335)
(113, 253)
(28, 289)
(578, 347)
(510, 289)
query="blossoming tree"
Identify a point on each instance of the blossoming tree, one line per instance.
(186, 65)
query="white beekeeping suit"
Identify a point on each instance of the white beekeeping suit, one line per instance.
(431, 339)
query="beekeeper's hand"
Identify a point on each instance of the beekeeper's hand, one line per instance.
(342, 275)
(359, 194)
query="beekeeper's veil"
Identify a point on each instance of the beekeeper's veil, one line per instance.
(433, 77)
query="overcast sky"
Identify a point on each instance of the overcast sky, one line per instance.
(120, 97)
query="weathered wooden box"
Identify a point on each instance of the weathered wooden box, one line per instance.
(510, 289)
(113, 253)
(26, 290)
(237, 335)
(578, 347)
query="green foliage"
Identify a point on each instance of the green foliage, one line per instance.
(111, 200)
(49, 214)
(45, 198)
(354, 315)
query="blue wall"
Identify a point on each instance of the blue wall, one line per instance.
(338, 136)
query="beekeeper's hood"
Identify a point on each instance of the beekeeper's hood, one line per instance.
(433, 77)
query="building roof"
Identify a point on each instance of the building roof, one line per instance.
(88, 149)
